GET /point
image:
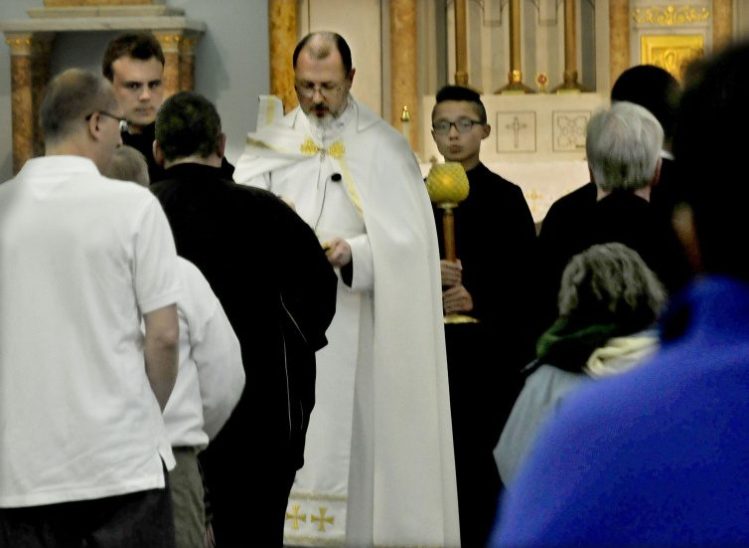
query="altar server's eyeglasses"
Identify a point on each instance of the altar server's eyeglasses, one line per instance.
(123, 122)
(308, 89)
(463, 125)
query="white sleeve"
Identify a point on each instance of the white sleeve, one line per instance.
(215, 350)
(245, 167)
(221, 375)
(361, 257)
(155, 273)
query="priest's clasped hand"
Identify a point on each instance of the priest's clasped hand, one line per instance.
(338, 251)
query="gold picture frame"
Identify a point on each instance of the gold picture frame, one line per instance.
(672, 51)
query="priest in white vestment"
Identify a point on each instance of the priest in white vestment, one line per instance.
(379, 467)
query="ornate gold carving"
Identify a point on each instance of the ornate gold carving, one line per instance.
(310, 148)
(337, 150)
(296, 516)
(667, 16)
(671, 52)
(16, 42)
(170, 38)
(27, 43)
(75, 3)
(322, 519)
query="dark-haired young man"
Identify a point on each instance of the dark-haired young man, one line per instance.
(134, 63)
(492, 226)
(278, 290)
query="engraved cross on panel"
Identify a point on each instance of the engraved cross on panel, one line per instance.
(516, 126)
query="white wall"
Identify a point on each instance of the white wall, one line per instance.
(232, 63)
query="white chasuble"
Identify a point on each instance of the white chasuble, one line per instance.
(379, 467)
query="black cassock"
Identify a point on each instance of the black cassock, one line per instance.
(495, 241)
(270, 274)
(578, 220)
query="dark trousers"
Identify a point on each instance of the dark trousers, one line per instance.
(136, 520)
(482, 393)
(248, 500)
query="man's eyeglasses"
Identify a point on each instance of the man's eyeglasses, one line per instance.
(463, 125)
(122, 121)
(308, 89)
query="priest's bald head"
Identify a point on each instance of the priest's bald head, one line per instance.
(323, 74)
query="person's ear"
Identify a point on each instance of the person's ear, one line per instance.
(221, 145)
(486, 130)
(682, 220)
(92, 125)
(158, 153)
(351, 76)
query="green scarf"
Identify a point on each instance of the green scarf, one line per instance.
(568, 344)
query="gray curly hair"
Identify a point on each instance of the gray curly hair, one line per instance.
(611, 283)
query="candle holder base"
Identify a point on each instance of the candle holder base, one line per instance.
(454, 319)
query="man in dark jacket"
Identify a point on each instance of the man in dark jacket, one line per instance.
(272, 277)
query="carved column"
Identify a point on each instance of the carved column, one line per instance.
(29, 73)
(404, 67)
(461, 44)
(170, 42)
(618, 38)
(570, 48)
(284, 35)
(515, 76)
(187, 63)
(722, 23)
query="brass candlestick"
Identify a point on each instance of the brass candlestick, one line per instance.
(447, 185)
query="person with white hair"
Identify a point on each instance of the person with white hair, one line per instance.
(623, 145)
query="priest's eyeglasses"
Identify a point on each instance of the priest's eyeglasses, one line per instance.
(326, 89)
(123, 122)
(462, 125)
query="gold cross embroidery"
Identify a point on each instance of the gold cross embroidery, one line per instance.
(322, 519)
(310, 148)
(295, 516)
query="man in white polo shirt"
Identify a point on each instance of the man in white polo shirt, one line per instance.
(82, 261)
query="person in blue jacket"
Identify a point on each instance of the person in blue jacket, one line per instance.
(658, 456)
